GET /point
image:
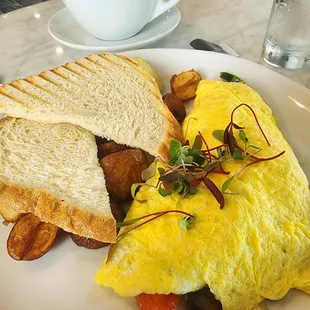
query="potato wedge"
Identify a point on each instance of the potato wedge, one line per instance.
(30, 238)
(93, 244)
(184, 85)
(121, 170)
(9, 214)
(150, 70)
(109, 148)
(176, 106)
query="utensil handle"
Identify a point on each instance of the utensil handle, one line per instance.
(163, 6)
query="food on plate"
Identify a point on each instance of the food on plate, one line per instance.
(243, 232)
(201, 300)
(52, 171)
(184, 85)
(109, 95)
(122, 169)
(110, 147)
(30, 238)
(146, 66)
(89, 243)
(229, 77)
(9, 214)
(156, 302)
(175, 105)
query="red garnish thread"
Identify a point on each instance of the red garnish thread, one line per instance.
(254, 114)
(259, 160)
(218, 195)
(215, 148)
(207, 146)
(155, 215)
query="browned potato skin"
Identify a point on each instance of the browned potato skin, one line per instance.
(201, 300)
(30, 238)
(184, 85)
(93, 244)
(176, 106)
(100, 140)
(87, 243)
(121, 170)
(109, 148)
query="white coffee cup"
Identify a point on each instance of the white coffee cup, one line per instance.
(116, 19)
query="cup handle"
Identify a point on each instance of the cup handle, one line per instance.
(162, 7)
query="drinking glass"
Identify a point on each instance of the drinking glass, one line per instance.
(287, 41)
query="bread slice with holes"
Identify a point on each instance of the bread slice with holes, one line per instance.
(52, 170)
(109, 95)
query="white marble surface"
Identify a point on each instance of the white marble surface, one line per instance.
(26, 47)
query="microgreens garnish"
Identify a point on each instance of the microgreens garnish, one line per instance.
(189, 167)
(229, 77)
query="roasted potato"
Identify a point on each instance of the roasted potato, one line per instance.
(87, 243)
(109, 148)
(201, 300)
(30, 238)
(9, 214)
(176, 106)
(150, 70)
(122, 169)
(93, 244)
(100, 140)
(184, 85)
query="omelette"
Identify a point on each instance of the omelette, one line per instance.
(256, 247)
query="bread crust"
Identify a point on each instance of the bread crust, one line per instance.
(52, 210)
(172, 127)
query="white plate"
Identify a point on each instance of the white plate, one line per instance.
(63, 278)
(64, 29)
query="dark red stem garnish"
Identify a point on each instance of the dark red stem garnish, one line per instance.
(259, 160)
(206, 144)
(256, 119)
(215, 191)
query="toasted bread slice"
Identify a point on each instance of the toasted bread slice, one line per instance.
(52, 170)
(109, 95)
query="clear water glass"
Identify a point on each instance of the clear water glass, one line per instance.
(287, 41)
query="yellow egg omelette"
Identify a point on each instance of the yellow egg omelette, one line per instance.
(256, 247)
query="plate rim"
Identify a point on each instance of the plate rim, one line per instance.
(220, 55)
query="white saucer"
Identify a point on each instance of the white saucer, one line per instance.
(64, 29)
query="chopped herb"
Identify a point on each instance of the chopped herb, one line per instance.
(219, 135)
(164, 192)
(228, 77)
(175, 147)
(193, 191)
(197, 143)
(226, 184)
(237, 155)
(187, 223)
(243, 137)
(161, 171)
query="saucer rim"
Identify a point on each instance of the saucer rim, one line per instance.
(113, 48)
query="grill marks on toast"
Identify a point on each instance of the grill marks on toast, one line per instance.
(106, 94)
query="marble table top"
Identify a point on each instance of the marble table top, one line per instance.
(27, 48)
